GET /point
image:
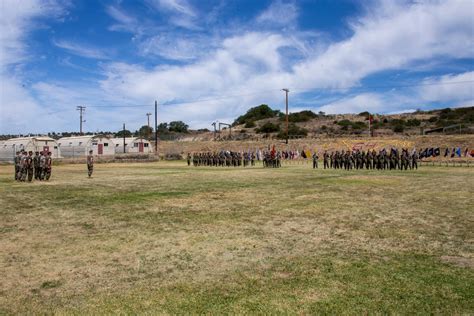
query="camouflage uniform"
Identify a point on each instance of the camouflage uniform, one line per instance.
(29, 166)
(90, 164)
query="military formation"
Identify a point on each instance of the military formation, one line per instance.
(344, 159)
(28, 166)
(381, 160)
(221, 159)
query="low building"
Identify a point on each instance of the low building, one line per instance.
(37, 143)
(132, 145)
(79, 146)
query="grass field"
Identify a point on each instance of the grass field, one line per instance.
(165, 238)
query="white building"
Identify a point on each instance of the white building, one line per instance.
(38, 143)
(132, 145)
(79, 146)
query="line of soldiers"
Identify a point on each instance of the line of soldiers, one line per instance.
(370, 160)
(221, 159)
(272, 159)
(28, 166)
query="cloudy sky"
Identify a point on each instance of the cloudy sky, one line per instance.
(207, 60)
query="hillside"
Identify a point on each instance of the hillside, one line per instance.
(263, 122)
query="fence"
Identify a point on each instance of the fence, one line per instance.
(7, 154)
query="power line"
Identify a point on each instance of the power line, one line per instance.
(218, 98)
(387, 86)
(81, 110)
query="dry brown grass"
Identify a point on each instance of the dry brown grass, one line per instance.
(162, 237)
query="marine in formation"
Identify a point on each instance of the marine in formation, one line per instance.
(28, 166)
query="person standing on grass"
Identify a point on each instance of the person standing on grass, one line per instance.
(16, 162)
(36, 164)
(90, 163)
(315, 160)
(49, 165)
(30, 166)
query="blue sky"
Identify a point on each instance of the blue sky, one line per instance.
(212, 60)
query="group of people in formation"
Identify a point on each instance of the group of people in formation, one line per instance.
(223, 158)
(226, 158)
(28, 166)
(381, 160)
(350, 159)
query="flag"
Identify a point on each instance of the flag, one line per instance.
(446, 152)
(458, 151)
(430, 152)
(466, 152)
(436, 152)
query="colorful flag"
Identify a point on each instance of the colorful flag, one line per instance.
(458, 151)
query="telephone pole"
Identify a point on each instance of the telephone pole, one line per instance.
(82, 110)
(156, 127)
(148, 119)
(286, 92)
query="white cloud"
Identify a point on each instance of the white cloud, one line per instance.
(177, 47)
(458, 87)
(125, 21)
(181, 13)
(177, 6)
(363, 102)
(383, 39)
(81, 49)
(279, 14)
(19, 110)
(17, 19)
(389, 39)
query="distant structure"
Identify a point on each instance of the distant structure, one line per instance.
(136, 145)
(79, 146)
(9, 147)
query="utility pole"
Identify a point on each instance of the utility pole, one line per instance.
(370, 120)
(148, 119)
(124, 138)
(156, 127)
(286, 92)
(81, 109)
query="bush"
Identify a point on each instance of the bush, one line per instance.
(358, 125)
(293, 130)
(303, 116)
(398, 128)
(257, 113)
(344, 123)
(413, 122)
(250, 124)
(268, 128)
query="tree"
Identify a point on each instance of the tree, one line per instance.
(250, 124)
(178, 127)
(257, 113)
(163, 128)
(268, 127)
(145, 131)
(123, 133)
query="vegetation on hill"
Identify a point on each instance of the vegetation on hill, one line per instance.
(297, 117)
(293, 130)
(257, 113)
(268, 127)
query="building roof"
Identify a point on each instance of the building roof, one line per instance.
(118, 141)
(79, 140)
(26, 140)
